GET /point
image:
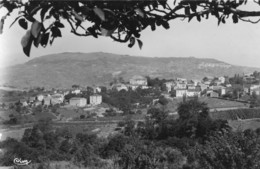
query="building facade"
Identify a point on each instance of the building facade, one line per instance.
(95, 99)
(179, 92)
(138, 81)
(120, 86)
(169, 85)
(193, 93)
(78, 101)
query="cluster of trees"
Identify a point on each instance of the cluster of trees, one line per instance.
(156, 83)
(19, 114)
(237, 79)
(254, 100)
(127, 100)
(193, 141)
(256, 74)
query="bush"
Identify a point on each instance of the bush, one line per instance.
(139, 112)
(110, 113)
(163, 100)
(82, 116)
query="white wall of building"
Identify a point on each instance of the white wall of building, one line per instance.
(80, 102)
(95, 99)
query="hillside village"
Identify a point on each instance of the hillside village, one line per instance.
(140, 107)
(136, 95)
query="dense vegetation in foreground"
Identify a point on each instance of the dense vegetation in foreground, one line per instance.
(193, 140)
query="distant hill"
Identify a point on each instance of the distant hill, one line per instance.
(65, 69)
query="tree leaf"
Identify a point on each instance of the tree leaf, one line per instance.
(158, 22)
(139, 12)
(190, 17)
(136, 34)
(15, 20)
(85, 10)
(163, 3)
(26, 38)
(2, 21)
(106, 32)
(92, 31)
(56, 32)
(217, 14)
(140, 43)
(223, 20)
(52, 40)
(26, 42)
(235, 18)
(155, 5)
(99, 12)
(37, 41)
(43, 12)
(78, 23)
(132, 42)
(58, 24)
(23, 23)
(153, 26)
(207, 15)
(187, 10)
(36, 28)
(77, 16)
(27, 49)
(152, 23)
(198, 18)
(219, 21)
(193, 6)
(30, 18)
(1, 25)
(44, 39)
(165, 24)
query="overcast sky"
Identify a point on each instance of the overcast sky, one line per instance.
(232, 43)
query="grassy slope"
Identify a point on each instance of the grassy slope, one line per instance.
(66, 69)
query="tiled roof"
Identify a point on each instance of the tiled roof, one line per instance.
(77, 98)
(138, 77)
(193, 90)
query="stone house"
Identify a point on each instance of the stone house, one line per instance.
(120, 86)
(47, 100)
(169, 85)
(40, 97)
(138, 80)
(95, 99)
(193, 92)
(78, 101)
(180, 85)
(212, 93)
(179, 92)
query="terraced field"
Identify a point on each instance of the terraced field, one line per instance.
(244, 124)
(238, 114)
(213, 103)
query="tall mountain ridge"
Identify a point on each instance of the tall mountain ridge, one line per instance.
(65, 69)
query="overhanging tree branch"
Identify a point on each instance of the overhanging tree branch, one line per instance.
(125, 16)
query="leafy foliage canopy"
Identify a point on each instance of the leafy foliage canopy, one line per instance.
(123, 21)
